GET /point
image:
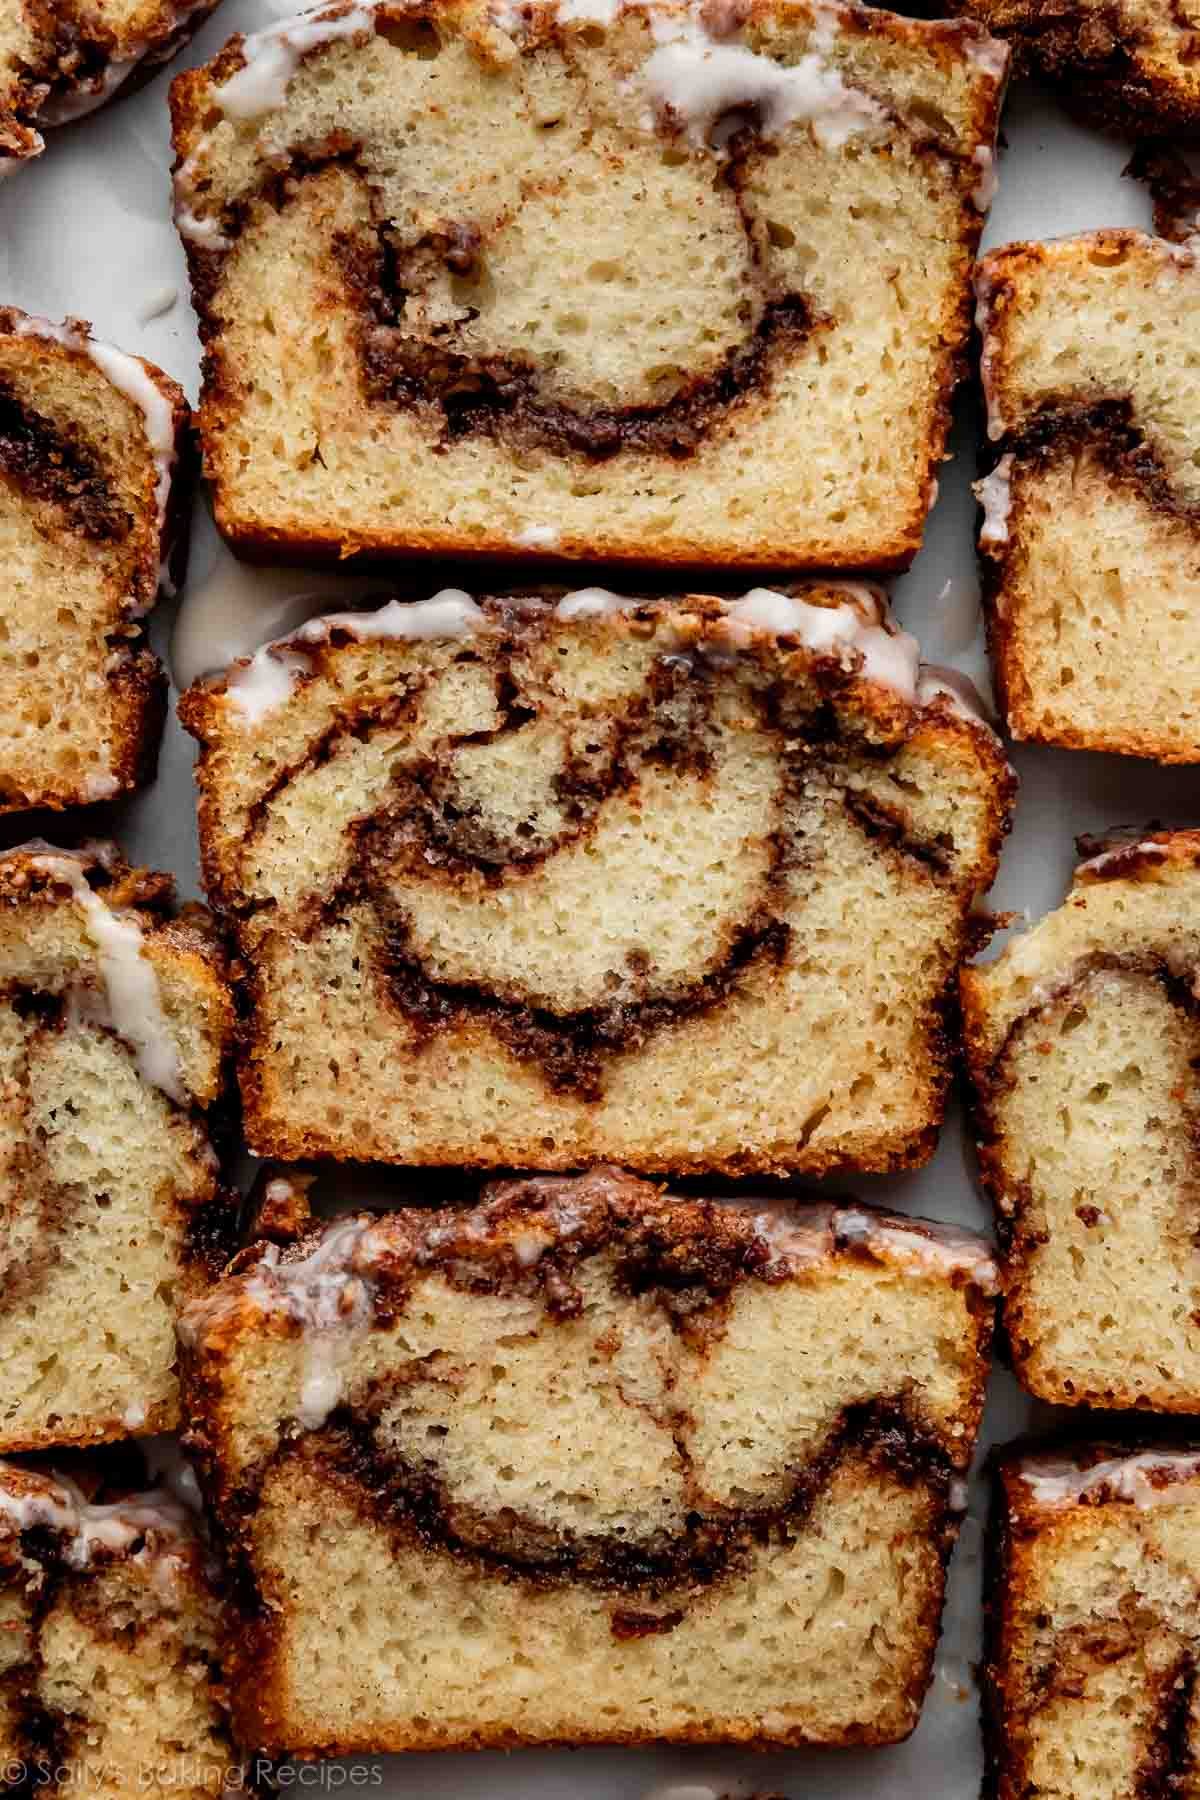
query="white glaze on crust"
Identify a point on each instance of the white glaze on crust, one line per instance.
(994, 494)
(328, 1292)
(799, 1236)
(130, 376)
(55, 1503)
(133, 1000)
(858, 631)
(265, 680)
(1055, 1483)
(271, 57)
(1115, 859)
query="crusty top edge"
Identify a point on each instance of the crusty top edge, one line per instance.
(998, 273)
(150, 1525)
(1135, 856)
(309, 29)
(848, 622)
(318, 1282)
(39, 867)
(127, 914)
(1052, 1482)
(160, 401)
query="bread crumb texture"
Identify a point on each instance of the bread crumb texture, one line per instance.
(1090, 543)
(92, 450)
(1094, 1625)
(115, 1021)
(1083, 1041)
(653, 882)
(112, 1634)
(589, 1464)
(654, 283)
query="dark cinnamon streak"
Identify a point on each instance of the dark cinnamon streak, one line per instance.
(428, 829)
(1106, 429)
(47, 463)
(711, 1548)
(572, 1048)
(499, 395)
(1169, 1760)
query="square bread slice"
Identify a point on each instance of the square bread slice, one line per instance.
(1090, 543)
(112, 1634)
(1094, 1625)
(115, 1022)
(589, 1463)
(91, 443)
(1083, 1043)
(679, 884)
(60, 59)
(1125, 65)
(658, 283)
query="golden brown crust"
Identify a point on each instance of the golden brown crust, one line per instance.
(173, 1233)
(997, 1031)
(92, 502)
(690, 1258)
(885, 543)
(572, 1045)
(71, 56)
(1096, 435)
(1107, 1509)
(1126, 68)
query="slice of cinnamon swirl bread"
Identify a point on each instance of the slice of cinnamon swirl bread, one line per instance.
(90, 445)
(589, 1464)
(1091, 515)
(1083, 1042)
(1128, 65)
(60, 59)
(679, 884)
(114, 1026)
(639, 282)
(112, 1632)
(1094, 1625)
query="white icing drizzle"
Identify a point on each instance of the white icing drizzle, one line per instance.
(135, 1006)
(939, 681)
(131, 378)
(1056, 1482)
(62, 109)
(1119, 853)
(984, 191)
(77, 103)
(272, 57)
(697, 79)
(265, 680)
(800, 1235)
(985, 287)
(859, 631)
(329, 1293)
(592, 603)
(239, 607)
(994, 494)
(55, 1502)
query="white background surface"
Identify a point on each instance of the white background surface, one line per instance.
(87, 230)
